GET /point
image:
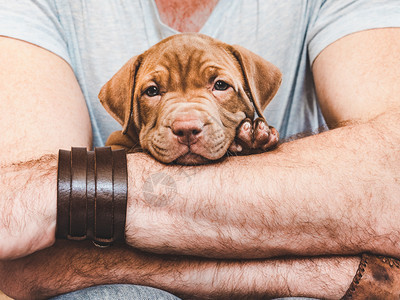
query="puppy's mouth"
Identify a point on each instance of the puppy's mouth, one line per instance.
(189, 139)
(190, 158)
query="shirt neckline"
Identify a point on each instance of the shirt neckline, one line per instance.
(208, 27)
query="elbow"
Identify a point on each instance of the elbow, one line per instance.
(20, 279)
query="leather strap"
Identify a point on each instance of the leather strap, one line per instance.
(63, 193)
(103, 208)
(77, 208)
(92, 195)
(377, 277)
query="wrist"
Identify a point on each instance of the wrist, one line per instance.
(139, 166)
(46, 205)
(28, 206)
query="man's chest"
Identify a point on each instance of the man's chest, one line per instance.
(185, 15)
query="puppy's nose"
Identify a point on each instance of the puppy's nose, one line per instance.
(187, 130)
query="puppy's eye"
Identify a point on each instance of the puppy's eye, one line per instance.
(221, 85)
(152, 91)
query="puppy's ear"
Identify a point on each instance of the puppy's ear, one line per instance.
(261, 77)
(117, 95)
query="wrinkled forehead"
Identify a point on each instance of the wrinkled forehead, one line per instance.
(186, 55)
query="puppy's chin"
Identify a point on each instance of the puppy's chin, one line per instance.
(191, 159)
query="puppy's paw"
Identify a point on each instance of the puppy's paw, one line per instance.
(265, 137)
(254, 137)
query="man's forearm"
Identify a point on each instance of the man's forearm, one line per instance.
(333, 193)
(27, 206)
(79, 265)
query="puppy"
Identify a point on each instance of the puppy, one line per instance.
(190, 99)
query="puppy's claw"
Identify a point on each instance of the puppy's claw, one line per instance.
(261, 134)
(245, 133)
(246, 126)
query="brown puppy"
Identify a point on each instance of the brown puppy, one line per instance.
(190, 99)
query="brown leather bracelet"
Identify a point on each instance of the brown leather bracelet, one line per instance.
(92, 195)
(77, 200)
(377, 277)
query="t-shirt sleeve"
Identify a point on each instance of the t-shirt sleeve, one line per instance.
(36, 22)
(338, 18)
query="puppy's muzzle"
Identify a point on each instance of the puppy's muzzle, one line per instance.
(188, 133)
(187, 129)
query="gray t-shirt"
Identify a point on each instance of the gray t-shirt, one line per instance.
(96, 37)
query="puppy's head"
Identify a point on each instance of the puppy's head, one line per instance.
(184, 97)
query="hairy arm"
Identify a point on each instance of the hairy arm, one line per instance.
(76, 265)
(335, 192)
(42, 110)
(341, 198)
